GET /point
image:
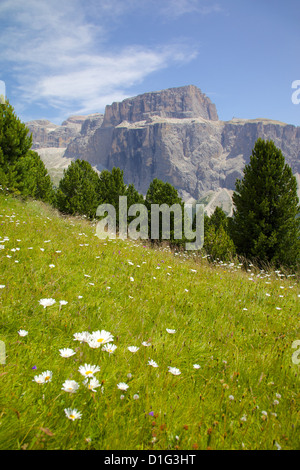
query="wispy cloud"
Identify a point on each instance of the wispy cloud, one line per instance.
(177, 8)
(58, 53)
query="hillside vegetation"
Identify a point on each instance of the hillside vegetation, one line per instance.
(221, 338)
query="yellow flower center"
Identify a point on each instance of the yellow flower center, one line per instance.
(72, 416)
(47, 378)
(88, 372)
(100, 340)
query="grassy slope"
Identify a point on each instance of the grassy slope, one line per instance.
(224, 321)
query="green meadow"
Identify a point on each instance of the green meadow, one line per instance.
(214, 364)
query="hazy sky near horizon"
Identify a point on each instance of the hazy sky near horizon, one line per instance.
(60, 58)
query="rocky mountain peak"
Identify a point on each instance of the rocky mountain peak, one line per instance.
(181, 102)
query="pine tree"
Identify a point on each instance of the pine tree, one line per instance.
(265, 225)
(160, 192)
(32, 178)
(15, 142)
(217, 241)
(77, 192)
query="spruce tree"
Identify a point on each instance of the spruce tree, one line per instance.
(266, 225)
(159, 193)
(77, 190)
(15, 142)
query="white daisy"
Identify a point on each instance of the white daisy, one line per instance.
(23, 332)
(152, 363)
(170, 331)
(133, 349)
(174, 370)
(44, 377)
(70, 386)
(109, 347)
(146, 343)
(63, 302)
(66, 352)
(72, 414)
(83, 337)
(102, 336)
(88, 370)
(92, 384)
(196, 366)
(122, 386)
(46, 302)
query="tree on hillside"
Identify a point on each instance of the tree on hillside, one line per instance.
(112, 186)
(21, 169)
(32, 178)
(161, 193)
(217, 241)
(15, 142)
(265, 224)
(77, 192)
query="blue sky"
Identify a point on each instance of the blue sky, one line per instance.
(60, 58)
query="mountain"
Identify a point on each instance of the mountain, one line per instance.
(174, 135)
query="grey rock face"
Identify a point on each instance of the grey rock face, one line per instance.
(174, 135)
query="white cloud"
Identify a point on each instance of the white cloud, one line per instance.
(58, 52)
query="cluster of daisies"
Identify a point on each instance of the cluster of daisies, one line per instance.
(95, 339)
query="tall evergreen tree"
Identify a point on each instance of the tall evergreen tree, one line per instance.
(265, 224)
(21, 169)
(15, 142)
(160, 192)
(77, 192)
(33, 179)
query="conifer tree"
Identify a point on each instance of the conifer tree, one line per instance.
(21, 169)
(266, 224)
(77, 190)
(15, 142)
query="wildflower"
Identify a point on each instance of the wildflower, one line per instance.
(70, 386)
(133, 349)
(72, 414)
(135, 396)
(88, 370)
(278, 395)
(44, 377)
(231, 397)
(109, 347)
(174, 370)
(196, 366)
(102, 336)
(46, 302)
(146, 343)
(51, 265)
(244, 418)
(92, 384)
(131, 278)
(122, 386)
(63, 302)
(275, 402)
(170, 331)
(66, 352)
(152, 363)
(23, 332)
(2, 286)
(83, 337)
